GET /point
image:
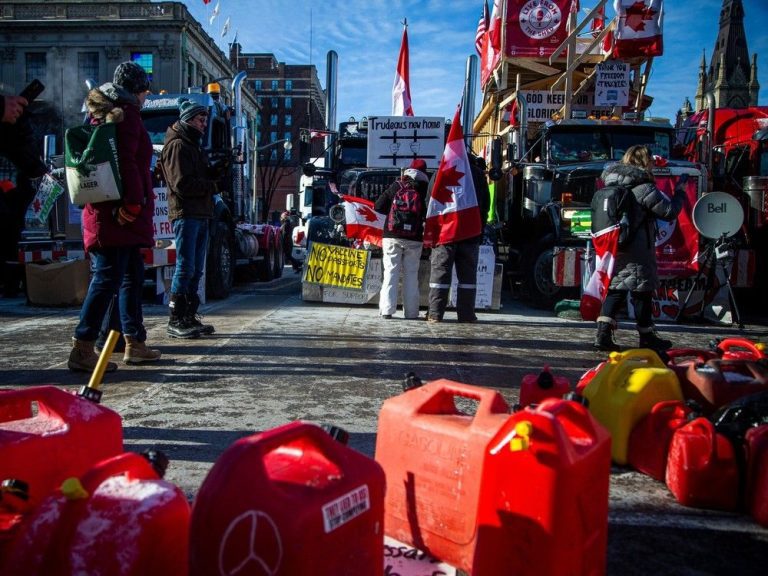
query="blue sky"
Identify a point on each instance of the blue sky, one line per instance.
(366, 35)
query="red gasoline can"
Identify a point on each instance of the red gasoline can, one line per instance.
(536, 387)
(741, 349)
(649, 440)
(432, 452)
(701, 468)
(718, 382)
(119, 519)
(681, 358)
(289, 501)
(48, 435)
(544, 499)
(756, 445)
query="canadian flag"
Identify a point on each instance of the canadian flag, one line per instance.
(363, 222)
(638, 28)
(491, 55)
(401, 90)
(606, 243)
(452, 212)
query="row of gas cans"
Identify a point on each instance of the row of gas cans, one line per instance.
(480, 488)
(696, 422)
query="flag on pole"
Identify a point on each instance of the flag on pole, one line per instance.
(363, 222)
(401, 90)
(452, 212)
(491, 55)
(214, 14)
(206, 1)
(638, 28)
(482, 28)
(225, 29)
(606, 243)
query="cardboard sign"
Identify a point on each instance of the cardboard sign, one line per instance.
(404, 560)
(612, 84)
(485, 267)
(338, 266)
(395, 141)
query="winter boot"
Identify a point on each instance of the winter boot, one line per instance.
(194, 319)
(178, 325)
(604, 340)
(82, 358)
(137, 352)
(650, 339)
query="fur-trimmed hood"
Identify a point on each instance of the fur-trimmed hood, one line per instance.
(620, 174)
(101, 108)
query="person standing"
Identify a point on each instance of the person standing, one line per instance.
(404, 204)
(634, 270)
(190, 209)
(459, 235)
(115, 232)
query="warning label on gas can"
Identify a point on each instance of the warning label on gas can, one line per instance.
(345, 508)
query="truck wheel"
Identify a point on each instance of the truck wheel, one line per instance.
(540, 287)
(267, 265)
(220, 268)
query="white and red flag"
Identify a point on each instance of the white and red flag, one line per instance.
(363, 222)
(606, 243)
(215, 13)
(482, 28)
(401, 90)
(491, 55)
(452, 212)
(638, 28)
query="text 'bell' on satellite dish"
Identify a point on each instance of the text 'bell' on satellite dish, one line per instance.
(718, 215)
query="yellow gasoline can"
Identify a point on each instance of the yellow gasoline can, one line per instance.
(626, 388)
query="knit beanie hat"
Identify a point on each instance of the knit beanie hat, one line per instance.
(189, 109)
(132, 77)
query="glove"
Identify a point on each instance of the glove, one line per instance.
(127, 214)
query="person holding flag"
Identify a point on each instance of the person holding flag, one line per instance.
(634, 265)
(458, 206)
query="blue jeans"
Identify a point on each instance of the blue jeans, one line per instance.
(116, 271)
(191, 246)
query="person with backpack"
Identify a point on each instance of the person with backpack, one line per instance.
(405, 206)
(634, 270)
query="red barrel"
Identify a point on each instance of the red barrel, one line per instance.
(649, 440)
(48, 435)
(536, 387)
(432, 453)
(701, 468)
(756, 446)
(718, 382)
(121, 519)
(289, 501)
(544, 501)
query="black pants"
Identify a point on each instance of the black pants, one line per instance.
(642, 301)
(464, 255)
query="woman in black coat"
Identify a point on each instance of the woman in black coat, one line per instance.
(635, 268)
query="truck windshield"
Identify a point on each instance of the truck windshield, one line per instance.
(157, 123)
(585, 145)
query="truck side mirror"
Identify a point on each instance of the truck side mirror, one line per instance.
(495, 173)
(308, 169)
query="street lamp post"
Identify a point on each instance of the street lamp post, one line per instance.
(256, 150)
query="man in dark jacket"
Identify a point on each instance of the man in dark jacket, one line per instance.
(190, 209)
(635, 268)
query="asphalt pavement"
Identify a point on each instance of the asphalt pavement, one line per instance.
(275, 359)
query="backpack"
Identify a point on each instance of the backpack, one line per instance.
(617, 205)
(405, 213)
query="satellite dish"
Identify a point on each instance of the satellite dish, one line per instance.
(717, 215)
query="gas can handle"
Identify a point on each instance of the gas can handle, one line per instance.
(273, 439)
(708, 427)
(645, 354)
(681, 353)
(17, 404)
(729, 343)
(758, 371)
(442, 392)
(576, 413)
(131, 464)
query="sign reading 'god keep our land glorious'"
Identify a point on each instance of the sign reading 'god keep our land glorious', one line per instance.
(336, 266)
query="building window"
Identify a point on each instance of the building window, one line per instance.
(288, 103)
(190, 74)
(288, 85)
(257, 85)
(251, 62)
(144, 59)
(273, 120)
(273, 152)
(288, 120)
(36, 66)
(88, 65)
(275, 84)
(273, 102)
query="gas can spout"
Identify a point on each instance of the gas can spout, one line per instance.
(545, 379)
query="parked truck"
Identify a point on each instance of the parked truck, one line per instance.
(236, 238)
